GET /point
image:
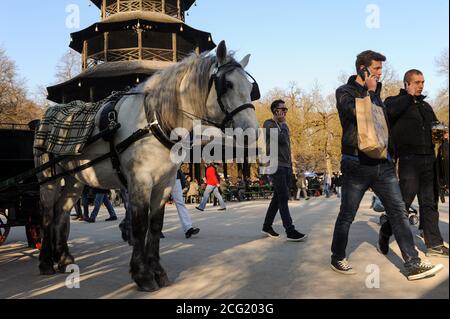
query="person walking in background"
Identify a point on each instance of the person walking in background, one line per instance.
(327, 185)
(281, 179)
(101, 197)
(213, 184)
(302, 185)
(183, 213)
(193, 191)
(82, 206)
(338, 184)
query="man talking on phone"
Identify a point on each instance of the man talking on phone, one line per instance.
(411, 119)
(361, 172)
(281, 179)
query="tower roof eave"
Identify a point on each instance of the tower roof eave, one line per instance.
(110, 70)
(204, 39)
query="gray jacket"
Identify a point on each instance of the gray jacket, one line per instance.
(284, 142)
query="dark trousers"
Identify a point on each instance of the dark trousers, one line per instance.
(280, 181)
(83, 201)
(357, 179)
(416, 174)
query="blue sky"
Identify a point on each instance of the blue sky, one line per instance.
(304, 41)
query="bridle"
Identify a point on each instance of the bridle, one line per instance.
(219, 81)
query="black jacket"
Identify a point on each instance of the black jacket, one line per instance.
(411, 119)
(346, 97)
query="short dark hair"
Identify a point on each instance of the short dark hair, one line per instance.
(367, 57)
(410, 73)
(275, 105)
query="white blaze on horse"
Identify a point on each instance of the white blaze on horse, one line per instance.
(214, 88)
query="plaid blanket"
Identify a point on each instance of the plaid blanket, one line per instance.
(65, 129)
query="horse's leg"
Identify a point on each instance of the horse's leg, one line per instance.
(49, 194)
(139, 196)
(70, 194)
(157, 210)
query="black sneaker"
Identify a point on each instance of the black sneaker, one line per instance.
(192, 232)
(222, 209)
(440, 251)
(383, 244)
(198, 208)
(342, 267)
(270, 232)
(422, 270)
(90, 221)
(111, 219)
(295, 236)
(161, 236)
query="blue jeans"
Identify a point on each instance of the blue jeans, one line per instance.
(327, 190)
(215, 190)
(357, 179)
(99, 200)
(280, 181)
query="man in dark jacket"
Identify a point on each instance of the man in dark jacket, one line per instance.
(411, 119)
(281, 179)
(360, 172)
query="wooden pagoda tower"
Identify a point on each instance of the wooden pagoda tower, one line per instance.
(133, 40)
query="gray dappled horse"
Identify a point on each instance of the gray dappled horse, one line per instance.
(185, 88)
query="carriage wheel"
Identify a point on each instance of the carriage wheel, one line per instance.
(4, 229)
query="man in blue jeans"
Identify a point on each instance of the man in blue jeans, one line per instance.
(361, 172)
(281, 180)
(101, 197)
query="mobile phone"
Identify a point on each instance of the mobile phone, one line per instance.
(362, 73)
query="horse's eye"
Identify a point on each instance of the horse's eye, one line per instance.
(229, 85)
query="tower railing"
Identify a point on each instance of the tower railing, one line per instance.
(142, 5)
(134, 54)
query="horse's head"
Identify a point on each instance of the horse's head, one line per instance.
(232, 92)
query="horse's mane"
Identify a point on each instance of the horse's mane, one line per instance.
(164, 89)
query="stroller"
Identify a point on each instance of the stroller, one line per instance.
(377, 205)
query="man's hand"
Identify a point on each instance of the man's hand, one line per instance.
(411, 89)
(372, 83)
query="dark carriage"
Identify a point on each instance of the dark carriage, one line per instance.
(19, 204)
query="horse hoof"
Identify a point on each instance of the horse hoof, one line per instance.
(147, 285)
(46, 270)
(163, 281)
(62, 265)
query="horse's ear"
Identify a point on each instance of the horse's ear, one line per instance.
(222, 53)
(245, 61)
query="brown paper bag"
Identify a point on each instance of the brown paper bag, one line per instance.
(373, 133)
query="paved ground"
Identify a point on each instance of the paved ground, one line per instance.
(230, 259)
